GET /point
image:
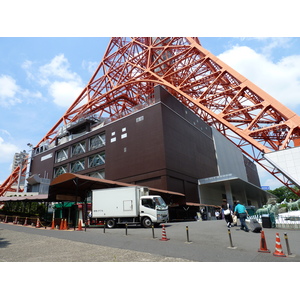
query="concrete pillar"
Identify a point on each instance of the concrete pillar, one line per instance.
(228, 193)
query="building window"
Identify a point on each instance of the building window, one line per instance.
(60, 170)
(97, 160)
(139, 119)
(99, 174)
(97, 141)
(78, 148)
(77, 166)
(61, 155)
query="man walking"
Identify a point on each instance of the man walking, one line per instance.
(241, 212)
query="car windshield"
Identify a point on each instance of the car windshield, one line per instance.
(160, 203)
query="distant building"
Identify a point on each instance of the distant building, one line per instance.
(18, 160)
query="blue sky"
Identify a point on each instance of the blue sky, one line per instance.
(41, 77)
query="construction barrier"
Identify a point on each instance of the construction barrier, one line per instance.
(163, 234)
(38, 224)
(79, 226)
(53, 224)
(263, 243)
(65, 224)
(61, 227)
(278, 249)
(25, 223)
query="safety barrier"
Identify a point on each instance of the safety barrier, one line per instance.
(31, 221)
(284, 221)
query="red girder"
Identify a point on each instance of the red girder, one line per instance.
(131, 67)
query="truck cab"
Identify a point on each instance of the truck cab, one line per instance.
(153, 209)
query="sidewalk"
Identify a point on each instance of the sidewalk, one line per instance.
(27, 247)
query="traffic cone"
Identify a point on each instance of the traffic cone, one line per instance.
(6, 221)
(79, 226)
(263, 243)
(25, 223)
(38, 225)
(163, 234)
(65, 225)
(53, 224)
(15, 221)
(278, 248)
(61, 227)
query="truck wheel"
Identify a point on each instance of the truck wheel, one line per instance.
(111, 223)
(147, 222)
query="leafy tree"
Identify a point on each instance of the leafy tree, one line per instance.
(284, 192)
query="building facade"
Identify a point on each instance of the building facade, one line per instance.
(162, 145)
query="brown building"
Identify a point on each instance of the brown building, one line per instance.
(162, 145)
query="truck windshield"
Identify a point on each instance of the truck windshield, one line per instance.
(160, 203)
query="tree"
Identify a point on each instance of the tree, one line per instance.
(284, 192)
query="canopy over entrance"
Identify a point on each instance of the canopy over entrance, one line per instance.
(74, 187)
(213, 189)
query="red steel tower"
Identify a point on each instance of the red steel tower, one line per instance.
(131, 67)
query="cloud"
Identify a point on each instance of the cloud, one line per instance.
(279, 79)
(7, 150)
(64, 92)
(90, 66)
(63, 85)
(59, 67)
(11, 93)
(8, 91)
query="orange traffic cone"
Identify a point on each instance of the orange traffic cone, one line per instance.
(53, 224)
(61, 227)
(38, 224)
(278, 248)
(25, 223)
(263, 244)
(15, 221)
(65, 225)
(163, 234)
(79, 226)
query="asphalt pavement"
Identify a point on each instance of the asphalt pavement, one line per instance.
(197, 241)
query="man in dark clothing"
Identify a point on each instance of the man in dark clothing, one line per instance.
(241, 212)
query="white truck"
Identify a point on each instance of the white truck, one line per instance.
(128, 205)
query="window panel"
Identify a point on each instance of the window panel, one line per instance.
(77, 166)
(97, 141)
(100, 174)
(78, 148)
(60, 170)
(97, 160)
(61, 155)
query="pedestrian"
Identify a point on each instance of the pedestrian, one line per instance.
(241, 212)
(227, 214)
(217, 214)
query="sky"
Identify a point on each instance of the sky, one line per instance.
(49, 50)
(40, 77)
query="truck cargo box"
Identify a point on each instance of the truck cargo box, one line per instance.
(115, 202)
